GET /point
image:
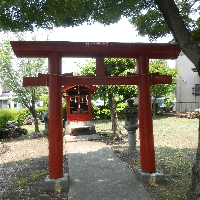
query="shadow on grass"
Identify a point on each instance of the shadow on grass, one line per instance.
(176, 164)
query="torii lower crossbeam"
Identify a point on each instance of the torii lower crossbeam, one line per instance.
(54, 80)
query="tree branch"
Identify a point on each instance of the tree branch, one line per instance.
(178, 28)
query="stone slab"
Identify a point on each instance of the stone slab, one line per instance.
(56, 185)
(69, 138)
(96, 173)
(150, 178)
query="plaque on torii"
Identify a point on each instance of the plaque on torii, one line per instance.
(54, 51)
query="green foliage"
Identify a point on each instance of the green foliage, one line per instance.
(20, 181)
(150, 24)
(168, 103)
(17, 115)
(7, 115)
(12, 77)
(118, 67)
(25, 15)
(88, 69)
(163, 90)
(22, 114)
(96, 111)
(113, 67)
(103, 112)
(13, 70)
(36, 175)
(41, 110)
(145, 15)
(148, 19)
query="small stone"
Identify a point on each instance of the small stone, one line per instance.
(3, 148)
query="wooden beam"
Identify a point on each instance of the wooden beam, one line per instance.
(131, 79)
(157, 79)
(100, 69)
(40, 49)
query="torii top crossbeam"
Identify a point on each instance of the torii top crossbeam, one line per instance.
(95, 49)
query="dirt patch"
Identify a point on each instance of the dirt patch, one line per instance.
(23, 169)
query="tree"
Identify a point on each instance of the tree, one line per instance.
(165, 90)
(162, 67)
(153, 18)
(12, 78)
(176, 17)
(114, 94)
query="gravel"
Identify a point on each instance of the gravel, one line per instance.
(23, 169)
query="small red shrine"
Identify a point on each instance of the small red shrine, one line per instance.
(79, 108)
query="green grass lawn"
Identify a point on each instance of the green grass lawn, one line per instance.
(175, 141)
(31, 128)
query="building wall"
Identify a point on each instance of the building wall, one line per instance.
(5, 97)
(187, 79)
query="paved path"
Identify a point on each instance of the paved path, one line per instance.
(96, 173)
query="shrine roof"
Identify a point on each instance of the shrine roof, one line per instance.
(93, 88)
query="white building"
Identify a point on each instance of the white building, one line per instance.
(188, 85)
(5, 97)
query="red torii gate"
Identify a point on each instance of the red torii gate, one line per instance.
(54, 51)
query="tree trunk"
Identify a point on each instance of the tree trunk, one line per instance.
(195, 182)
(33, 112)
(114, 117)
(35, 117)
(154, 108)
(178, 28)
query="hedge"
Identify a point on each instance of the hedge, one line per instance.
(17, 115)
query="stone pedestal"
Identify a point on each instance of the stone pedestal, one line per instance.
(56, 185)
(150, 178)
(87, 125)
(131, 125)
(132, 144)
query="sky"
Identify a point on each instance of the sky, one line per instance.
(122, 31)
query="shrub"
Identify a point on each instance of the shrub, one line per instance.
(95, 112)
(103, 112)
(22, 114)
(41, 110)
(8, 115)
(17, 115)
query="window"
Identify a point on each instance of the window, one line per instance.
(197, 90)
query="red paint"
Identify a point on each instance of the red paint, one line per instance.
(147, 155)
(100, 70)
(95, 49)
(78, 99)
(55, 118)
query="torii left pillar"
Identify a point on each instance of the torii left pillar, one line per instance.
(55, 117)
(57, 180)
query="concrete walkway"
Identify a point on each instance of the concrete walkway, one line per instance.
(96, 173)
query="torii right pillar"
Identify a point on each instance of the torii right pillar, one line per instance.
(145, 116)
(147, 174)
